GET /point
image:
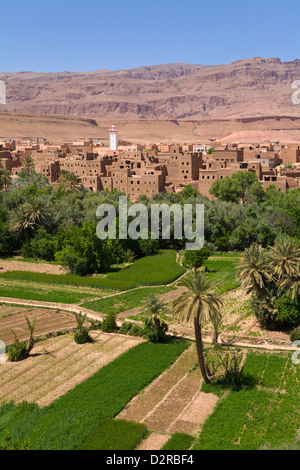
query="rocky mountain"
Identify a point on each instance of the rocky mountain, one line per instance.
(246, 88)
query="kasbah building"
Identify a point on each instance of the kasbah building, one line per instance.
(150, 169)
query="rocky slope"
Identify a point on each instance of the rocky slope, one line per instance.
(247, 88)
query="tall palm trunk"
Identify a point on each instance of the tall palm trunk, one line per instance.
(199, 346)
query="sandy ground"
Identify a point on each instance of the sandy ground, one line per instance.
(57, 365)
(32, 267)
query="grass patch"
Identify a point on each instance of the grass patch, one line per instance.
(222, 272)
(248, 418)
(67, 422)
(179, 441)
(157, 269)
(46, 295)
(126, 301)
(115, 435)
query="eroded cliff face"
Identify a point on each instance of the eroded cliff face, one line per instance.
(247, 88)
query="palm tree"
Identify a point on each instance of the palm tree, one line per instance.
(198, 304)
(292, 284)
(19, 221)
(70, 183)
(155, 308)
(28, 164)
(28, 215)
(283, 258)
(31, 327)
(5, 179)
(252, 271)
(80, 319)
(216, 319)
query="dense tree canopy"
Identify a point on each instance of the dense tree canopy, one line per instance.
(50, 222)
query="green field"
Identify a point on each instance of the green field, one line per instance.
(48, 293)
(222, 272)
(121, 303)
(252, 416)
(67, 422)
(158, 269)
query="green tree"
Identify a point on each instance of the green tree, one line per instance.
(234, 188)
(194, 259)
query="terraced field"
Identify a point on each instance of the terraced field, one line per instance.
(57, 365)
(173, 402)
(12, 320)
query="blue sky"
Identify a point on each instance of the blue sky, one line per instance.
(50, 36)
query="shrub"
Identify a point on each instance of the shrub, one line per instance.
(136, 330)
(75, 263)
(42, 246)
(156, 335)
(109, 324)
(83, 336)
(125, 328)
(17, 351)
(287, 311)
(295, 334)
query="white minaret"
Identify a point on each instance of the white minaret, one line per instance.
(113, 139)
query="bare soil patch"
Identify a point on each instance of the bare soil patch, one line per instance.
(14, 265)
(12, 320)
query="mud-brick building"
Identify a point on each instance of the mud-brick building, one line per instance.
(290, 154)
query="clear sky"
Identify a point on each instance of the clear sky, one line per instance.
(76, 35)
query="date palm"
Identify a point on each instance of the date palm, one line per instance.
(198, 303)
(252, 270)
(155, 308)
(70, 183)
(31, 327)
(283, 258)
(5, 179)
(292, 284)
(28, 164)
(28, 216)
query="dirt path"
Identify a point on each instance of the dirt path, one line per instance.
(175, 330)
(14, 265)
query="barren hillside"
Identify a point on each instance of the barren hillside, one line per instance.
(254, 87)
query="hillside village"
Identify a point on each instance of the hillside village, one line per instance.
(154, 168)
